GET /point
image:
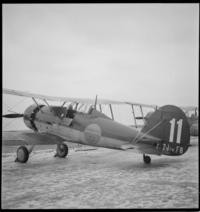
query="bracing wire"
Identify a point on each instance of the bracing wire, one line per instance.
(146, 133)
(19, 102)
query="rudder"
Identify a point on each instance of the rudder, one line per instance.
(169, 124)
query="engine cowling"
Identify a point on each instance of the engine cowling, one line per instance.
(30, 114)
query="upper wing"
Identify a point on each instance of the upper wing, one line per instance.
(70, 99)
(59, 99)
(185, 108)
(189, 108)
(142, 105)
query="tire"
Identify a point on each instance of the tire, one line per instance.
(22, 154)
(146, 159)
(62, 150)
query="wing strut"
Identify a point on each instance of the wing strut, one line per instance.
(100, 107)
(134, 115)
(142, 112)
(63, 104)
(95, 103)
(46, 102)
(111, 111)
(35, 101)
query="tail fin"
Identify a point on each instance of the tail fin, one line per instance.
(172, 128)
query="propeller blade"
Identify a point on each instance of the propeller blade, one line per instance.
(13, 115)
(138, 117)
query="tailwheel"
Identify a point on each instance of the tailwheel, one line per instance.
(146, 159)
(61, 151)
(22, 154)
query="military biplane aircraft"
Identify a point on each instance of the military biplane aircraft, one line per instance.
(166, 131)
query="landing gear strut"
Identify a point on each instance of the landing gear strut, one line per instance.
(61, 151)
(146, 159)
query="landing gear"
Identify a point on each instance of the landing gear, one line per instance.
(61, 151)
(146, 159)
(22, 154)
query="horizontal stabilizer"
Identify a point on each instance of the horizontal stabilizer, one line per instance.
(127, 146)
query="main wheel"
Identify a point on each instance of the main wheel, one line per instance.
(146, 159)
(22, 154)
(62, 150)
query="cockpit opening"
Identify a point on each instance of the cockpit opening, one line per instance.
(70, 112)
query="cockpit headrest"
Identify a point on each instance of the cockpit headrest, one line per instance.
(90, 110)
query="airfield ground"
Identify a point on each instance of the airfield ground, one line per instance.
(100, 178)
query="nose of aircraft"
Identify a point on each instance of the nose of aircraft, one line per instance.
(29, 116)
(29, 111)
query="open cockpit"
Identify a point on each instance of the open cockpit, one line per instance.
(72, 109)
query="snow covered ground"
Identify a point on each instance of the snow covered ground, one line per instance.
(100, 178)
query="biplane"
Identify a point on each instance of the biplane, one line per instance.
(165, 132)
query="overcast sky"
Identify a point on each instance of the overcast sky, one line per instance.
(144, 53)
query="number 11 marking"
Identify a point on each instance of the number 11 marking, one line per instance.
(180, 124)
(171, 136)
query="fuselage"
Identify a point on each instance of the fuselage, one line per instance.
(96, 129)
(93, 128)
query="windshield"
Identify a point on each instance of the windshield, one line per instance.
(83, 108)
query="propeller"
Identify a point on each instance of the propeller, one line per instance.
(139, 117)
(13, 115)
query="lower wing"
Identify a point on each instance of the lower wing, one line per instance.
(25, 137)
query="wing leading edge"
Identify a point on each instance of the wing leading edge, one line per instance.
(70, 99)
(59, 99)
